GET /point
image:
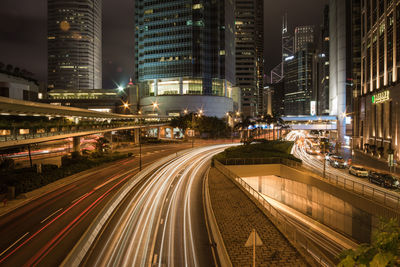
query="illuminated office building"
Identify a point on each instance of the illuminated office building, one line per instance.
(74, 44)
(376, 103)
(249, 40)
(184, 56)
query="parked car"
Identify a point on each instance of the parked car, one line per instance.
(337, 161)
(384, 180)
(358, 171)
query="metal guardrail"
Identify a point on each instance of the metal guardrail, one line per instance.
(387, 198)
(256, 161)
(69, 129)
(279, 220)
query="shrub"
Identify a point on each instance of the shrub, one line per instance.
(27, 179)
(265, 149)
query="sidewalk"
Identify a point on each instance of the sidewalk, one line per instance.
(236, 216)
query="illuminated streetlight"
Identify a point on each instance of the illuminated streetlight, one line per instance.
(120, 88)
(155, 105)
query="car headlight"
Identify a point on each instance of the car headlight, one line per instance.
(337, 163)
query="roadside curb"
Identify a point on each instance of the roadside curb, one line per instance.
(213, 229)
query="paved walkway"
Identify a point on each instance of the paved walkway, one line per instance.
(236, 216)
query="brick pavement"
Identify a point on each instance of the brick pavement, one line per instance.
(236, 216)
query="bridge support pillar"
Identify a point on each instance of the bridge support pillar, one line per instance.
(76, 144)
(158, 132)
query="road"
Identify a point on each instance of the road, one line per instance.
(160, 221)
(315, 163)
(43, 232)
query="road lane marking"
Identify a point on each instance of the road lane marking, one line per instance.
(50, 215)
(14, 244)
(79, 198)
(107, 182)
(162, 220)
(155, 259)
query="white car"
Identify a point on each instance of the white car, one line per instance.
(358, 171)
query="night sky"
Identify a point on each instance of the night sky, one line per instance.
(23, 34)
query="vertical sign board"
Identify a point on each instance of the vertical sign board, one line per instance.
(313, 108)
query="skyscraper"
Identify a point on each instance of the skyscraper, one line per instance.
(74, 44)
(376, 104)
(344, 62)
(300, 74)
(184, 56)
(299, 81)
(249, 21)
(303, 35)
(323, 66)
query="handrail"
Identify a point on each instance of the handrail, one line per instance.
(278, 219)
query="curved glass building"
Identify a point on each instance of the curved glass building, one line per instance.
(184, 55)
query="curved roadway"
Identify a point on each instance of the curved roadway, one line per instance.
(160, 221)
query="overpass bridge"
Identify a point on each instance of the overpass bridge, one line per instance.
(325, 123)
(24, 122)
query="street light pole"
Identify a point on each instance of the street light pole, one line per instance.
(193, 130)
(140, 149)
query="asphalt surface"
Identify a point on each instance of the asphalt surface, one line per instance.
(161, 221)
(43, 232)
(315, 163)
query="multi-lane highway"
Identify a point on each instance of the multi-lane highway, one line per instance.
(45, 230)
(159, 221)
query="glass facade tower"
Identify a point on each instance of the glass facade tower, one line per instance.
(184, 47)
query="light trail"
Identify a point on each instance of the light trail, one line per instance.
(156, 222)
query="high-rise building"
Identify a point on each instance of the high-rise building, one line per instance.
(323, 67)
(299, 82)
(249, 21)
(376, 103)
(344, 63)
(74, 44)
(303, 35)
(184, 56)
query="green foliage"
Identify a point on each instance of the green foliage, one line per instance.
(102, 144)
(27, 179)
(383, 251)
(209, 126)
(267, 149)
(6, 164)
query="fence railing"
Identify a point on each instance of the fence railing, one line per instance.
(292, 233)
(380, 195)
(256, 161)
(62, 129)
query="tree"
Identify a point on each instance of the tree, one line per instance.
(102, 144)
(182, 122)
(213, 126)
(383, 251)
(243, 126)
(9, 68)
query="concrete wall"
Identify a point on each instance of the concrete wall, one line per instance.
(340, 209)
